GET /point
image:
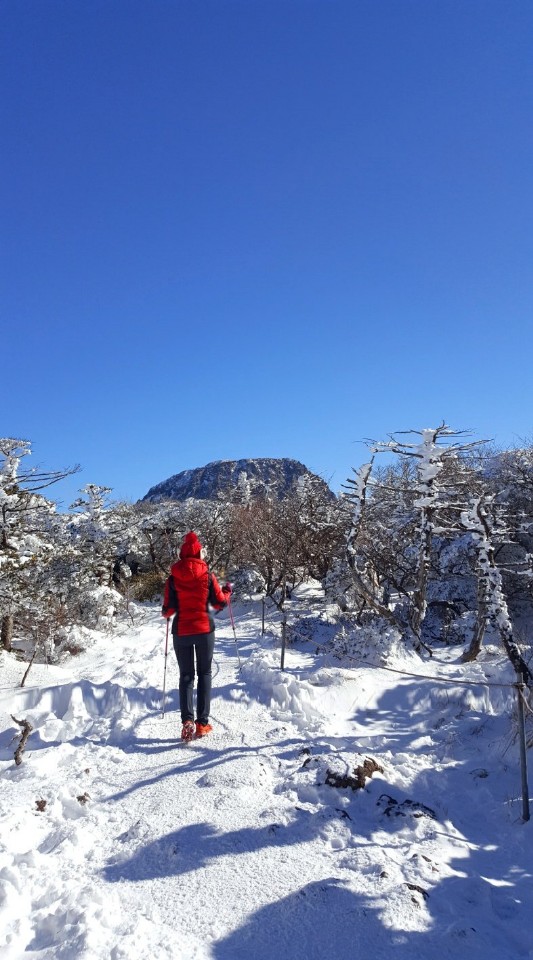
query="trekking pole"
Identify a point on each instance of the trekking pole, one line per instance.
(165, 674)
(234, 634)
(522, 741)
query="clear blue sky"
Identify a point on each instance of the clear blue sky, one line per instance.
(242, 228)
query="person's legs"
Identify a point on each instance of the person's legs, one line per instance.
(204, 646)
(184, 647)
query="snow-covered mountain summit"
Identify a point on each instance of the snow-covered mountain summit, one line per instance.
(261, 475)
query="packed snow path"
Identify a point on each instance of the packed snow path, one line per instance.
(235, 846)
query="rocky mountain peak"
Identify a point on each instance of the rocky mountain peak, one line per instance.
(259, 477)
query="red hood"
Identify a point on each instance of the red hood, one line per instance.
(189, 571)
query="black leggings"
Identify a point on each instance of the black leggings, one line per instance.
(203, 644)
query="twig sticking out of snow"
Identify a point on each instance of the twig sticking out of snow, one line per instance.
(26, 672)
(26, 730)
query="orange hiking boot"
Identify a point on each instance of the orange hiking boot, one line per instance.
(187, 730)
(202, 728)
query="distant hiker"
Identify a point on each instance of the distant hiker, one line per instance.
(189, 593)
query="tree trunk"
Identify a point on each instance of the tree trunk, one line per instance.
(370, 598)
(6, 635)
(424, 564)
(477, 640)
(515, 656)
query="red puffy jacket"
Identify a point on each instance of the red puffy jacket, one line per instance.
(189, 592)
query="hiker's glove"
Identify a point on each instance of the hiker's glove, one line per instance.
(227, 589)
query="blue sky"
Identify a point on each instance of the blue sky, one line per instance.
(242, 228)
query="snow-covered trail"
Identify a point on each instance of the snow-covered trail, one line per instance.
(234, 846)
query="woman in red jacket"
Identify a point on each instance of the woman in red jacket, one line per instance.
(190, 592)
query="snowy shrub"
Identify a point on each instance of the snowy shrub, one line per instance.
(147, 587)
(461, 629)
(319, 630)
(376, 640)
(69, 642)
(346, 637)
(440, 616)
(247, 582)
(71, 648)
(337, 768)
(99, 607)
(353, 777)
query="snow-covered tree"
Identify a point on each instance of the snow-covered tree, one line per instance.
(509, 478)
(102, 531)
(355, 578)
(287, 540)
(433, 498)
(103, 536)
(27, 531)
(319, 519)
(482, 521)
(160, 531)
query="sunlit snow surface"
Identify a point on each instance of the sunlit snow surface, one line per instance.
(235, 846)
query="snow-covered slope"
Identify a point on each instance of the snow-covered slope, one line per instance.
(263, 840)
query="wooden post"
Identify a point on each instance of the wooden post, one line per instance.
(263, 617)
(520, 686)
(283, 639)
